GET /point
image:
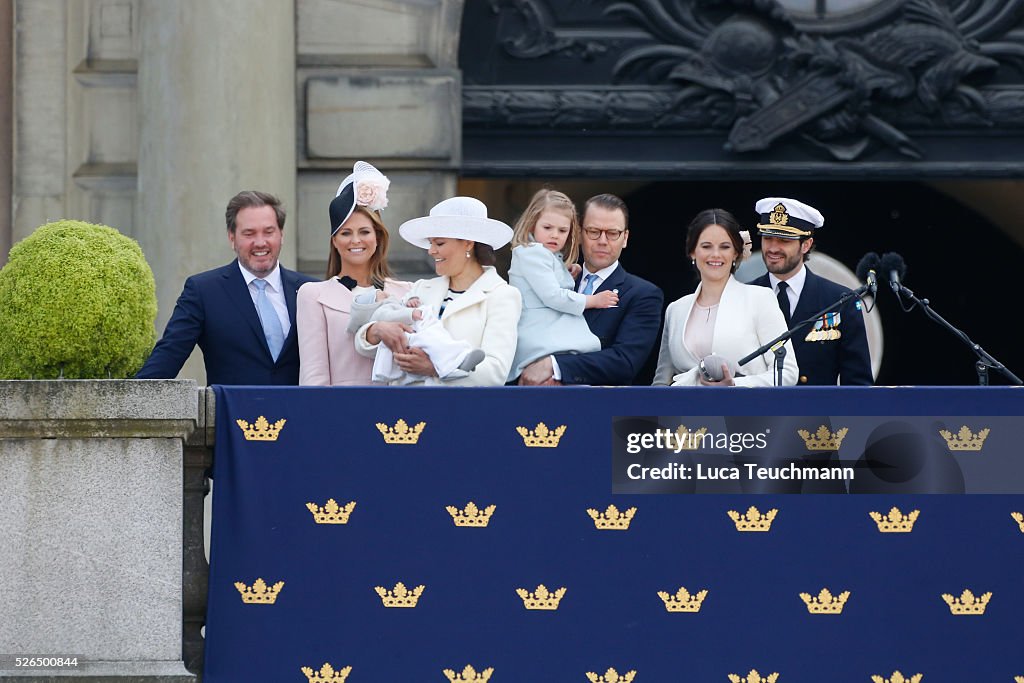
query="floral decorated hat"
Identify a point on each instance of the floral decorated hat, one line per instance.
(365, 186)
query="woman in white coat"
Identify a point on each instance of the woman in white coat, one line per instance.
(722, 317)
(473, 302)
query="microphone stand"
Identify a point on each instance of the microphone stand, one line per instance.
(778, 345)
(985, 361)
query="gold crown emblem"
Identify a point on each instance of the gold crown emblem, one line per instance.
(611, 676)
(331, 512)
(469, 674)
(895, 522)
(967, 603)
(541, 598)
(400, 596)
(754, 677)
(690, 440)
(1018, 679)
(541, 436)
(326, 674)
(779, 216)
(752, 519)
(1019, 518)
(897, 677)
(965, 439)
(261, 430)
(824, 602)
(823, 439)
(611, 518)
(682, 601)
(471, 515)
(260, 593)
(401, 433)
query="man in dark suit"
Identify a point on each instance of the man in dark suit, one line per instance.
(835, 347)
(241, 315)
(628, 331)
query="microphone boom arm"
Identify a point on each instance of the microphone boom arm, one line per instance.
(985, 360)
(785, 336)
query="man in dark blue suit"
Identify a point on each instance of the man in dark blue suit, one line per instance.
(835, 348)
(628, 331)
(241, 315)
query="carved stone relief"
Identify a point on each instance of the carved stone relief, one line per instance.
(750, 70)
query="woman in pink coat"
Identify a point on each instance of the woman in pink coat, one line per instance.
(357, 264)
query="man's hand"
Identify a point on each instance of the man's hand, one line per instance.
(417, 362)
(392, 335)
(537, 373)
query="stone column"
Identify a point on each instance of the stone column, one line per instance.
(216, 108)
(6, 111)
(91, 512)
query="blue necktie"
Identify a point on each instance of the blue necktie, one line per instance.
(268, 316)
(588, 287)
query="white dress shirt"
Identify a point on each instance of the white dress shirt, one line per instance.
(795, 284)
(275, 292)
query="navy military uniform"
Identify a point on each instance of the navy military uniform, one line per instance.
(835, 347)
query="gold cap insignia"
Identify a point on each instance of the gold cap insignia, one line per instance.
(400, 596)
(965, 439)
(260, 593)
(690, 440)
(967, 604)
(469, 674)
(823, 439)
(471, 515)
(824, 602)
(331, 512)
(541, 436)
(754, 677)
(261, 430)
(779, 216)
(611, 518)
(682, 601)
(401, 433)
(611, 676)
(897, 677)
(1018, 679)
(327, 674)
(752, 519)
(1019, 518)
(895, 522)
(541, 598)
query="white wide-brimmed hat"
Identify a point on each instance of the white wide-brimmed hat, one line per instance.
(463, 218)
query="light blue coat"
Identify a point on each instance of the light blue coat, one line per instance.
(552, 319)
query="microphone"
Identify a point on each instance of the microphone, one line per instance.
(894, 265)
(869, 263)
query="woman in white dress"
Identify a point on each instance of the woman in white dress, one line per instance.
(723, 317)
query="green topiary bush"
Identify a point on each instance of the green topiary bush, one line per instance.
(77, 301)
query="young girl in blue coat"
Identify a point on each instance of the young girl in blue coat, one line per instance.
(545, 246)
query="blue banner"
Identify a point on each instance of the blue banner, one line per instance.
(401, 535)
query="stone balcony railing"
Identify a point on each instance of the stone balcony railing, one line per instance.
(101, 528)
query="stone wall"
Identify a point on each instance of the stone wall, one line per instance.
(91, 508)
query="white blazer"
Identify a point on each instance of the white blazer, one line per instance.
(748, 317)
(486, 315)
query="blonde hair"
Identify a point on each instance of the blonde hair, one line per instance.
(542, 201)
(379, 270)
